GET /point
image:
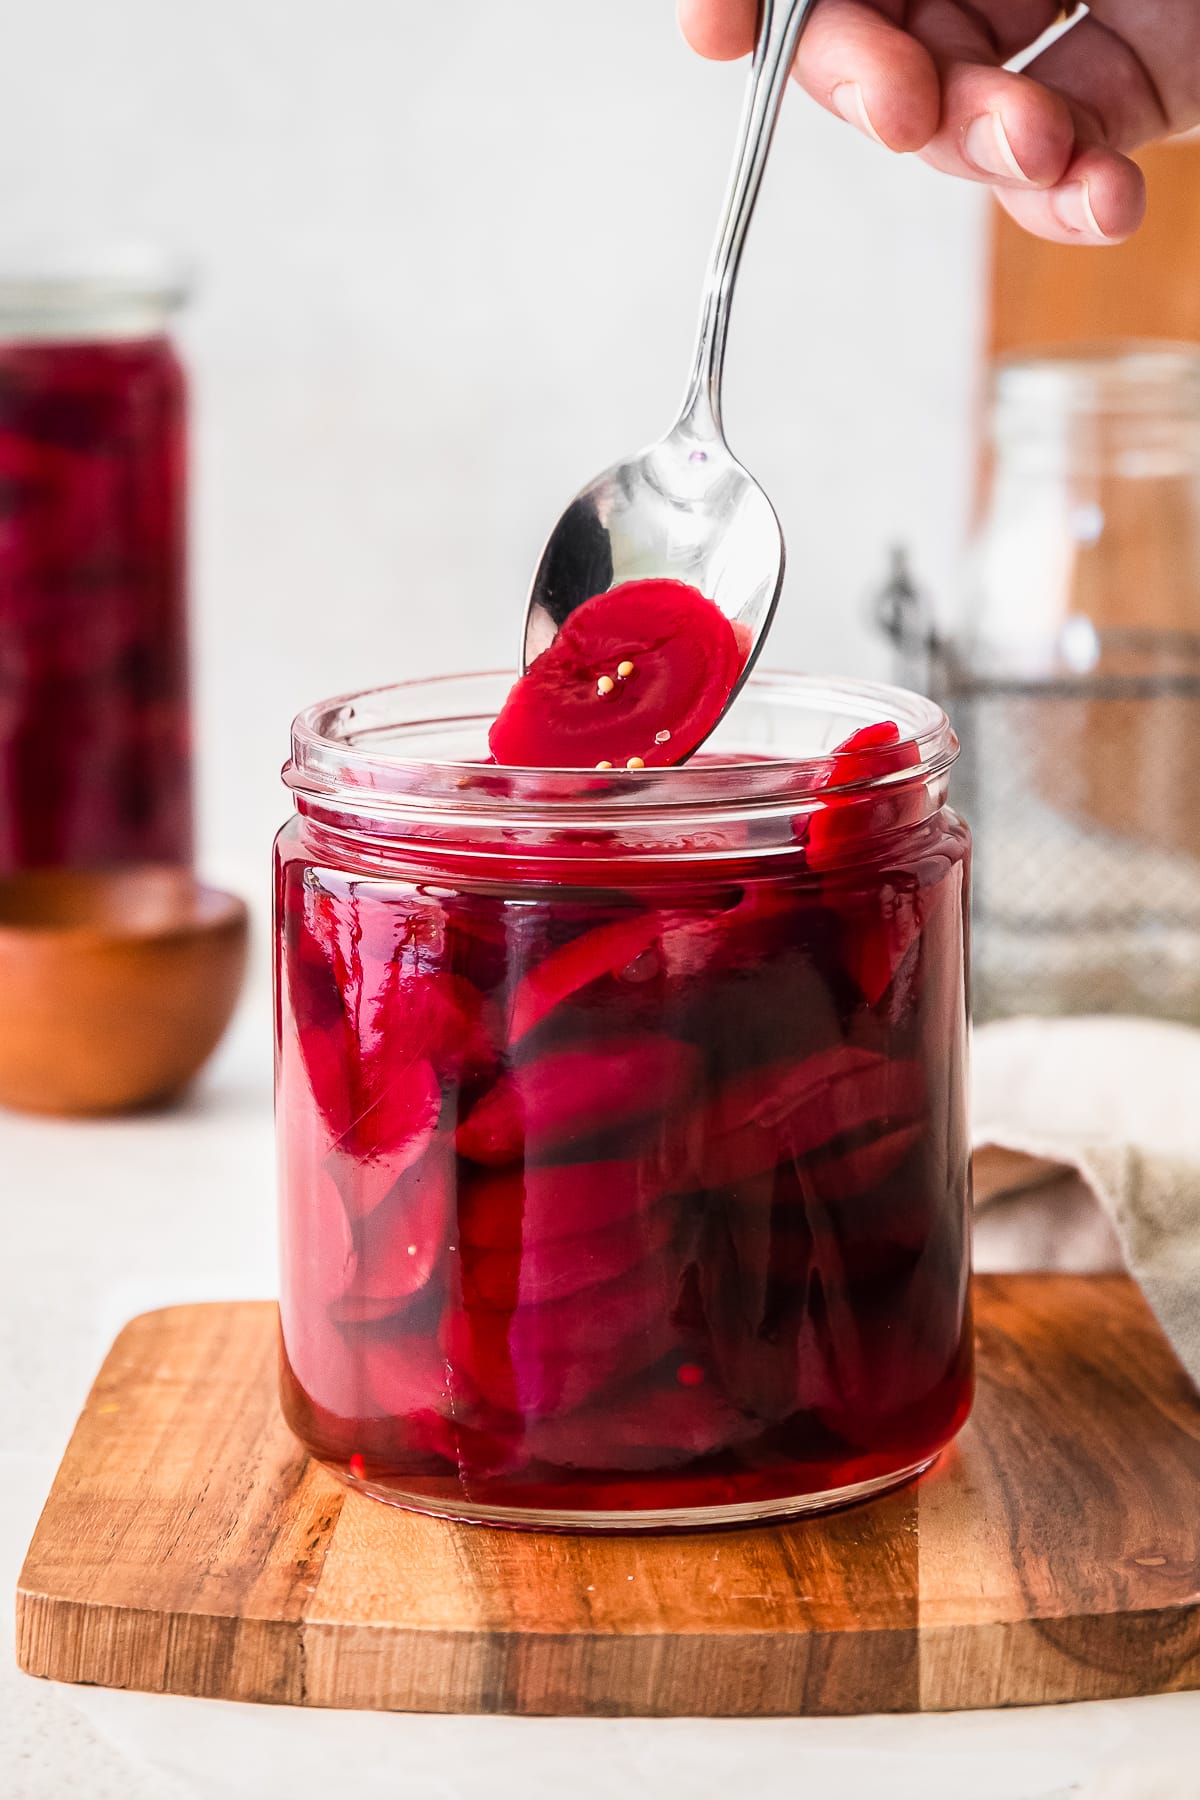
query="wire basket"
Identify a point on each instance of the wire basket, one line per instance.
(1083, 797)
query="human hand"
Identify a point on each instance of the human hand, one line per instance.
(928, 76)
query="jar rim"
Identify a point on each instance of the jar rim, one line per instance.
(337, 761)
(66, 290)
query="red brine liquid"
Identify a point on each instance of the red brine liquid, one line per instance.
(631, 1200)
(94, 739)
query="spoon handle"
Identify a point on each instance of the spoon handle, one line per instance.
(781, 22)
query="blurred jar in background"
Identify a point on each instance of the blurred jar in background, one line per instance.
(1074, 684)
(95, 765)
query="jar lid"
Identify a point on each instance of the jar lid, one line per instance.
(59, 291)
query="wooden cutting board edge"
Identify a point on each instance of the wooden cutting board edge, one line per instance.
(273, 1604)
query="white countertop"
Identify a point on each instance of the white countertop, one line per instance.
(105, 1220)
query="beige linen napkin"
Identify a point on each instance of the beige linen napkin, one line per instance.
(1087, 1139)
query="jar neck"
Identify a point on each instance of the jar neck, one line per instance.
(656, 852)
(367, 769)
(1127, 410)
(127, 323)
(106, 297)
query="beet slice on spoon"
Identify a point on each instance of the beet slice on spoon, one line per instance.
(636, 678)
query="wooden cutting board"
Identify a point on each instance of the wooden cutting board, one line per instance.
(190, 1547)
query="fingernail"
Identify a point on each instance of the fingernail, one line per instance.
(1072, 207)
(986, 148)
(847, 101)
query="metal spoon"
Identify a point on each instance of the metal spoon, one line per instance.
(685, 507)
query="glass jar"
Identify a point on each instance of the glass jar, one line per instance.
(1073, 680)
(622, 1119)
(94, 731)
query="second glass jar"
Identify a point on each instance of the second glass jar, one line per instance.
(95, 759)
(622, 1121)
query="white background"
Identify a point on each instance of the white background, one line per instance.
(450, 258)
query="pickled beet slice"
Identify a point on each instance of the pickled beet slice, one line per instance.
(378, 1094)
(389, 1138)
(543, 1202)
(317, 972)
(407, 1372)
(879, 1233)
(878, 930)
(683, 946)
(737, 935)
(440, 1018)
(319, 1263)
(542, 1360)
(654, 1428)
(685, 660)
(403, 1239)
(847, 1174)
(799, 1190)
(320, 1258)
(401, 1121)
(775, 1372)
(790, 1109)
(877, 935)
(763, 1337)
(810, 1102)
(566, 1096)
(322, 1388)
(604, 951)
(477, 941)
(436, 1411)
(551, 1269)
(891, 1362)
(866, 755)
(475, 1446)
(783, 1009)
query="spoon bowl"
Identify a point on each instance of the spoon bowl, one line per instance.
(686, 509)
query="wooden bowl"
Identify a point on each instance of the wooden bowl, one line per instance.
(115, 985)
